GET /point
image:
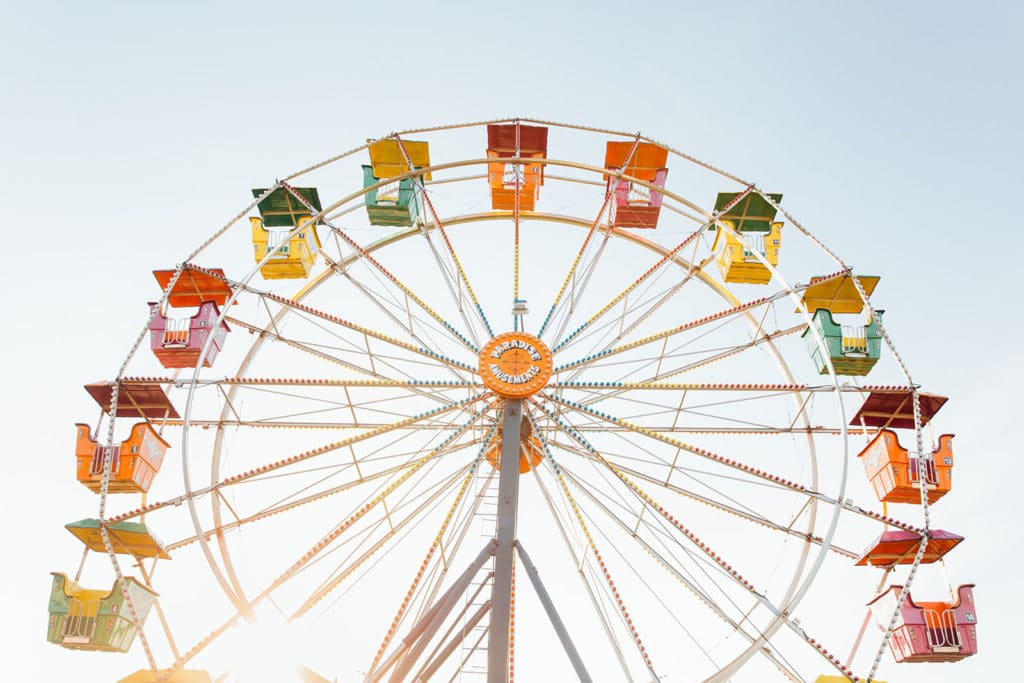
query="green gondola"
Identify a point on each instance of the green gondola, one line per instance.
(854, 351)
(396, 203)
(84, 619)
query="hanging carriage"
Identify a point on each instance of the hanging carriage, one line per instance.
(177, 342)
(394, 203)
(516, 183)
(133, 463)
(749, 234)
(852, 349)
(897, 475)
(737, 254)
(584, 404)
(286, 230)
(634, 204)
(99, 620)
(938, 631)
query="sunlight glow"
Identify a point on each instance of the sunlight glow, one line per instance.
(265, 650)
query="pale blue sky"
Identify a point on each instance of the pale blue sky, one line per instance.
(130, 129)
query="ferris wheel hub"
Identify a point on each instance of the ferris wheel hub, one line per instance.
(515, 364)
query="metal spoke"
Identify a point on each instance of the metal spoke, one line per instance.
(747, 515)
(694, 324)
(450, 248)
(392, 631)
(717, 562)
(583, 248)
(669, 256)
(578, 561)
(624, 613)
(407, 326)
(618, 443)
(689, 584)
(306, 455)
(414, 516)
(753, 472)
(368, 258)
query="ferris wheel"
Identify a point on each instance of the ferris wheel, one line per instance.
(512, 397)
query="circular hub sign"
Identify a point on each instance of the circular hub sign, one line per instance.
(515, 364)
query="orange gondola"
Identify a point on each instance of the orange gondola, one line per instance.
(897, 476)
(134, 462)
(509, 179)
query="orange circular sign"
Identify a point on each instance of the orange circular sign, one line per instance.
(515, 364)
(531, 450)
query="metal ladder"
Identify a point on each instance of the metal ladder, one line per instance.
(473, 651)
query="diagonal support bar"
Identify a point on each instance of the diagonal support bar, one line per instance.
(443, 605)
(434, 664)
(556, 621)
(423, 633)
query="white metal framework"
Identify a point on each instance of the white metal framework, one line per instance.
(692, 515)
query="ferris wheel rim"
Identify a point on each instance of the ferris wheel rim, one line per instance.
(455, 221)
(717, 287)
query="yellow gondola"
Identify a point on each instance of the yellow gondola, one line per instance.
(292, 259)
(88, 619)
(734, 254)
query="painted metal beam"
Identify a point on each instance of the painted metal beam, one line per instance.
(505, 535)
(556, 621)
